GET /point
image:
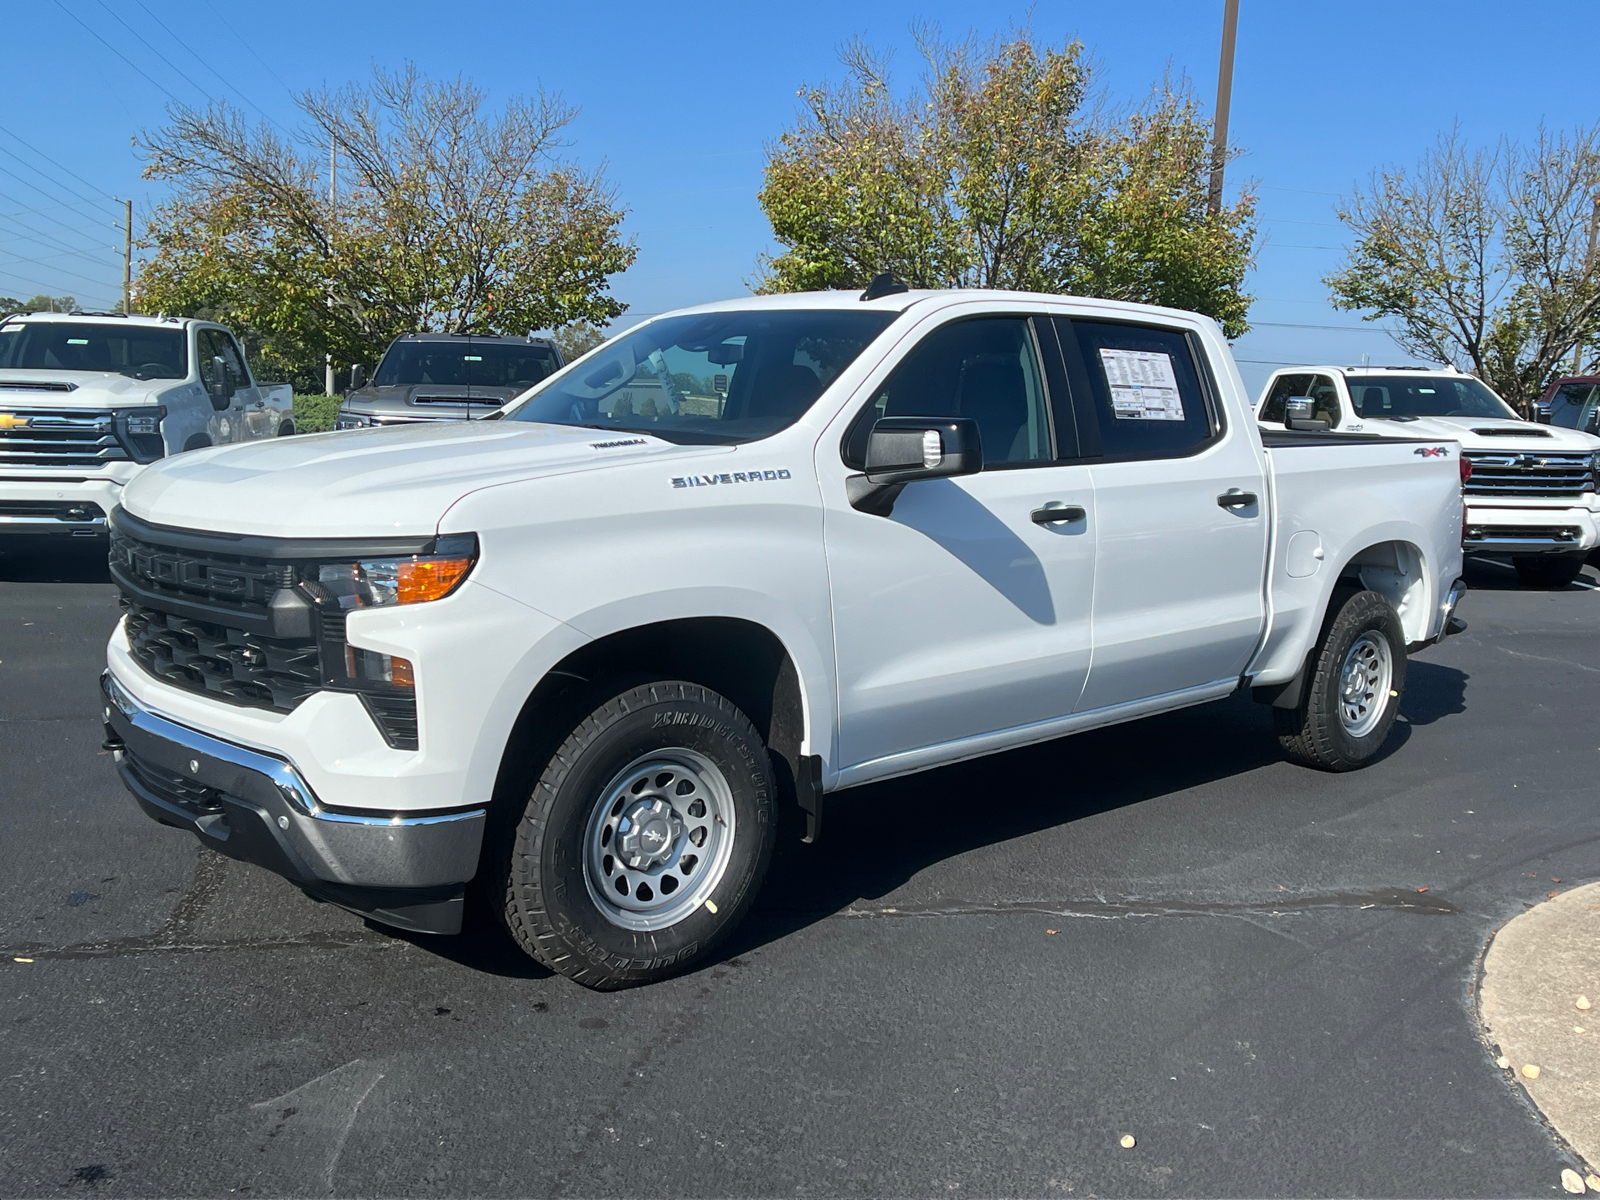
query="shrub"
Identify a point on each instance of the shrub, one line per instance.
(314, 414)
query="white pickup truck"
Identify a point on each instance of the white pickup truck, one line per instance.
(87, 399)
(586, 656)
(1530, 489)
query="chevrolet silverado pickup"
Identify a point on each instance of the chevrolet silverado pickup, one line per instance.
(586, 654)
(1530, 488)
(87, 399)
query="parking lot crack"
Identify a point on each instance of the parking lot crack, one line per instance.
(1384, 899)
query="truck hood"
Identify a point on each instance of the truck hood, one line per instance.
(371, 482)
(80, 389)
(1487, 433)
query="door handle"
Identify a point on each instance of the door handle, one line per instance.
(1056, 513)
(1234, 498)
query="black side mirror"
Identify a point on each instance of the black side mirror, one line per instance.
(358, 377)
(220, 386)
(902, 450)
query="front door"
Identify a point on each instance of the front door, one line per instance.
(959, 614)
(1181, 509)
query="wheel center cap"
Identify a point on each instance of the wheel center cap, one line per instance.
(647, 832)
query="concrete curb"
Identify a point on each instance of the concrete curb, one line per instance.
(1536, 968)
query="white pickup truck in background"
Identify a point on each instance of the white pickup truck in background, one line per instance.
(584, 656)
(86, 400)
(1531, 492)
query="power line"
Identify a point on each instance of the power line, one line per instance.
(45, 241)
(1342, 328)
(39, 262)
(41, 233)
(138, 69)
(201, 60)
(62, 225)
(57, 165)
(173, 66)
(248, 48)
(29, 183)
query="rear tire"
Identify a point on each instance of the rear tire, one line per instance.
(645, 838)
(1549, 570)
(1357, 675)
(286, 429)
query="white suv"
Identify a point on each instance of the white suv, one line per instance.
(1531, 490)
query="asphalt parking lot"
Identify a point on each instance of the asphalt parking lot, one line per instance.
(978, 982)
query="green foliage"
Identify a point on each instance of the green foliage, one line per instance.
(1006, 170)
(39, 303)
(314, 414)
(1486, 258)
(577, 339)
(446, 219)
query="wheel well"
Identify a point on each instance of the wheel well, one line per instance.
(1395, 571)
(742, 660)
(286, 429)
(198, 441)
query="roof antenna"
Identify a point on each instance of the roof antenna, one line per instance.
(884, 284)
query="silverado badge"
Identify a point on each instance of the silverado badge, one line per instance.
(12, 421)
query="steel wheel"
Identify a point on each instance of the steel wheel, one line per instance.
(1364, 683)
(658, 839)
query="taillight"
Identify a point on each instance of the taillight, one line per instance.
(1466, 468)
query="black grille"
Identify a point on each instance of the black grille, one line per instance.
(193, 798)
(1516, 473)
(217, 581)
(230, 664)
(49, 437)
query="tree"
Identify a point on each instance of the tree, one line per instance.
(39, 303)
(578, 339)
(1486, 258)
(446, 219)
(1007, 169)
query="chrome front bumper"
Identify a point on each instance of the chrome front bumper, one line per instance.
(407, 870)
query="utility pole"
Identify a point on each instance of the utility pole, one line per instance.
(1588, 270)
(333, 213)
(127, 261)
(1219, 135)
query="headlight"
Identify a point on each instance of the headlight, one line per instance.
(380, 582)
(352, 420)
(139, 431)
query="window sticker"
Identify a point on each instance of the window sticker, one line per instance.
(1144, 386)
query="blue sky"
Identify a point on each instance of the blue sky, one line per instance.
(679, 101)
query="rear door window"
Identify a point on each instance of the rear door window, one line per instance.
(1140, 386)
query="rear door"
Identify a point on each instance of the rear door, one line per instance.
(1181, 513)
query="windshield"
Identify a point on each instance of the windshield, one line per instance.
(1424, 396)
(467, 363)
(714, 377)
(137, 350)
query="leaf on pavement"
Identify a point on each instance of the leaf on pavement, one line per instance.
(1572, 1181)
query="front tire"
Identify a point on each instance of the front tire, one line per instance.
(1549, 570)
(644, 840)
(1357, 675)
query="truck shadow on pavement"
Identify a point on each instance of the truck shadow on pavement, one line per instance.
(52, 560)
(878, 837)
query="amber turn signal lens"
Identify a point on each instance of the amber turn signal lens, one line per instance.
(400, 673)
(430, 578)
